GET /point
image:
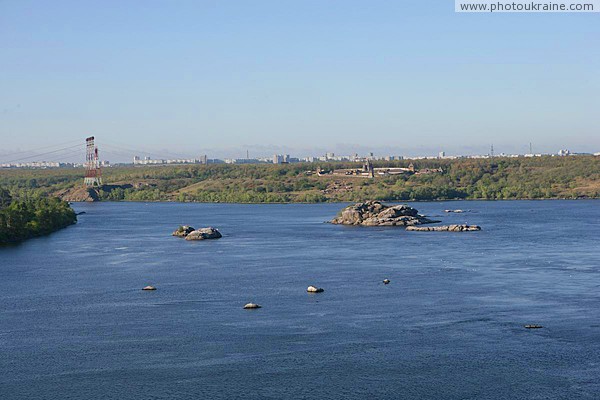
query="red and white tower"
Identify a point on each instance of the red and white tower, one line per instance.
(93, 175)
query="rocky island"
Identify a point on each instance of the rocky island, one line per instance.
(190, 233)
(375, 213)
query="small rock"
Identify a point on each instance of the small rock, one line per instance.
(533, 326)
(250, 306)
(204, 233)
(148, 288)
(386, 281)
(183, 231)
(314, 289)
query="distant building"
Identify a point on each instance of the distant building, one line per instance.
(563, 153)
(37, 164)
(149, 161)
(281, 158)
(242, 161)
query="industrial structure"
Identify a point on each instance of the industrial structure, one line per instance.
(93, 174)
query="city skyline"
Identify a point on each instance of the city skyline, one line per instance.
(71, 155)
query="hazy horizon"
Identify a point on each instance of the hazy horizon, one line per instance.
(111, 153)
(220, 78)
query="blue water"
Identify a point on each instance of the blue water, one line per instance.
(74, 323)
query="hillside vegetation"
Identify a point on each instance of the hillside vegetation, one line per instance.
(24, 218)
(500, 178)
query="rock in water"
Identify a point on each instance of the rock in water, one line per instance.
(386, 281)
(148, 288)
(314, 289)
(183, 231)
(204, 233)
(374, 213)
(250, 306)
(533, 326)
(445, 228)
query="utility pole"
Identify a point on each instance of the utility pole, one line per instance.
(530, 148)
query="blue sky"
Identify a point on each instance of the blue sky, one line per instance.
(302, 76)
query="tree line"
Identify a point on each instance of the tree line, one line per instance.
(490, 179)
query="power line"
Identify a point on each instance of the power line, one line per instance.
(63, 156)
(39, 148)
(42, 154)
(139, 151)
(59, 157)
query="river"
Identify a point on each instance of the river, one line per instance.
(74, 323)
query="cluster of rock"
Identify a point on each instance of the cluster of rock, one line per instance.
(189, 233)
(374, 213)
(445, 228)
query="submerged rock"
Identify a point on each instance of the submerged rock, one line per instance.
(183, 231)
(250, 306)
(149, 287)
(533, 326)
(314, 289)
(374, 213)
(445, 228)
(204, 233)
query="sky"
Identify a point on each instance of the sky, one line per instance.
(298, 76)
